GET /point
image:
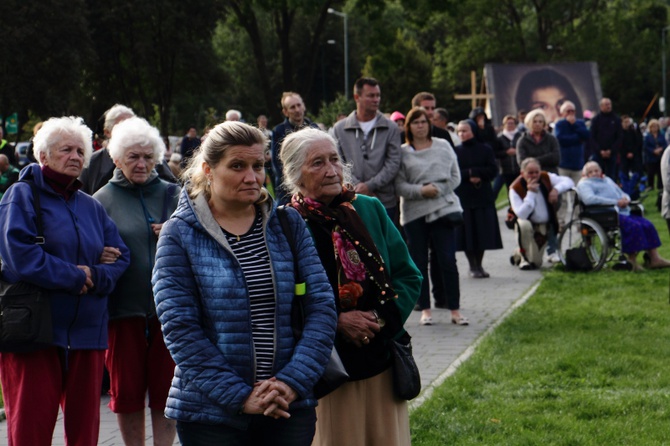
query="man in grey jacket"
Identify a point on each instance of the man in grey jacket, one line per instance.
(370, 142)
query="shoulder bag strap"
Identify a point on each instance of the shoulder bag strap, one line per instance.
(39, 239)
(169, 192)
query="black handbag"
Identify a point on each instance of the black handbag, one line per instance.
(577, 259)
(334, 374)
(25, 310)
(406, 377)
(454, 219)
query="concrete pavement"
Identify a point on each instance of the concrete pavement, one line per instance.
(439, 348)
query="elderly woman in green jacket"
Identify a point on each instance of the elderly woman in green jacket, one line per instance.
(138, 362)
(376, 285)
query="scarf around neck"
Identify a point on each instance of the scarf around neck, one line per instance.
(363, 279)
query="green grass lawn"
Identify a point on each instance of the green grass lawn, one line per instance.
(583, 362)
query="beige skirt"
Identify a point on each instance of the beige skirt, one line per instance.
(363, 413)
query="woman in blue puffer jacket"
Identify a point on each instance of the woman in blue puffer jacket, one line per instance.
(224, 282)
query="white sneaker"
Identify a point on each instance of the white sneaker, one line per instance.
(553, 258)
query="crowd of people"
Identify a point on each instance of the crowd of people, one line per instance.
(175, 270)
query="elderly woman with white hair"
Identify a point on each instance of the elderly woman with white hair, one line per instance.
(77, 266)
(139, 202)
(101, 168)
(637, 233)
(375, 283)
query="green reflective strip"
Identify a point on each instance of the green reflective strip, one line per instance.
(300, 289)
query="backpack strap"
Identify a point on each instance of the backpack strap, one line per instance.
(282, 214)
(297, 309)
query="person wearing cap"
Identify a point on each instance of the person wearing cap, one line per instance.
(399, 119)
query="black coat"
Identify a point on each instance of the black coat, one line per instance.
(476, 159)
(508, 163)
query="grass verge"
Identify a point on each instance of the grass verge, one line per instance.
(583, 362)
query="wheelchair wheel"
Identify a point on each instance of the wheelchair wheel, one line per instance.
(588, 234)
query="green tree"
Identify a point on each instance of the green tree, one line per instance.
(611, 33)
(151, 52)
(45, 48)
(288, 32)
(400, 81)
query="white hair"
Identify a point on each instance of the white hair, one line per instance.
(55, 129)
(588, 165)
(293, 155)
(135, 131)
(115, 113)
(230, 113)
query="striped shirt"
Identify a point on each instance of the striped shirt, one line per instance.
(252, 253)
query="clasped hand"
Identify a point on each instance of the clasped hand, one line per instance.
(109, 255)
(429, 190)
(358, 327)
(270, 398)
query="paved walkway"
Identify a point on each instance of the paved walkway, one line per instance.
(438, 349)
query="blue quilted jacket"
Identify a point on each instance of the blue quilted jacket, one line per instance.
(203, 306)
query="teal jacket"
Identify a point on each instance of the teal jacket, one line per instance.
(133, 208)
(405, 276)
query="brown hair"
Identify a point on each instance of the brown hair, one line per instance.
(213, 149)
(414, 114)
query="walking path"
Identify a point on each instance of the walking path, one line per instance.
(438, 349)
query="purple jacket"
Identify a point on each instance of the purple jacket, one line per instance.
(75, 231)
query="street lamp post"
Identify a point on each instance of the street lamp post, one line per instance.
(663, 39)
(346, 50)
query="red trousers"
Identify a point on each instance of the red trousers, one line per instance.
(35, 384)
(138, 365)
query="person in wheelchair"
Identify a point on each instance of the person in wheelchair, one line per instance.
(637, 233)
(533, 197)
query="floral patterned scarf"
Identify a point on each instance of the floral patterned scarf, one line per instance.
(361, 269)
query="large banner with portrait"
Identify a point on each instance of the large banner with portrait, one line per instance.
(517, 87)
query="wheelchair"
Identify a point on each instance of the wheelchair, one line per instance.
(593, 236)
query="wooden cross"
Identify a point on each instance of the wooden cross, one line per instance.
(473, 91)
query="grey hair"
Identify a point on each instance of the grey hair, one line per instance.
(115, 113)
(135, 131)
(565, 105)
(55, 129)
(527, 161)
(222, 137)
(231, 112)
(293, 154)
